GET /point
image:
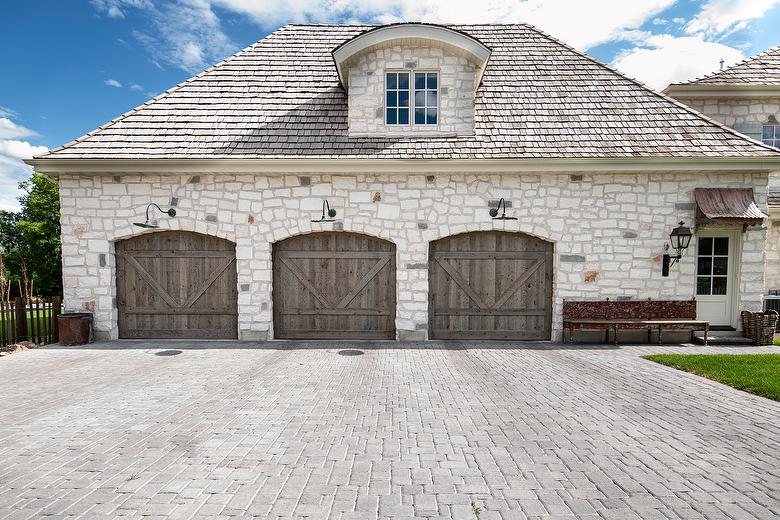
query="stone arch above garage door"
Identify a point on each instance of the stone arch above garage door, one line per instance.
(490, 285)
(176, 284)
(334, 285)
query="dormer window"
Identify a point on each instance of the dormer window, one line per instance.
(398, 100)
(426, 98)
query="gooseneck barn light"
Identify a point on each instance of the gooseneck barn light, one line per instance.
(680, 239)
(149, 224)
(327, 216)
(494, 211)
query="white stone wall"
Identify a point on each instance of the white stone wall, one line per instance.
(367, 88)
(748, 115)
(736, 111)
(609, 230)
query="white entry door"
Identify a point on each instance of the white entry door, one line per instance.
(715, 270)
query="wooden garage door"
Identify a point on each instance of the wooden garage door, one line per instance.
(490, 285)
(176, 284)
(334, 285)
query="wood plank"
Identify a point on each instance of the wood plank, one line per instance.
(462, 283)
(349, 282)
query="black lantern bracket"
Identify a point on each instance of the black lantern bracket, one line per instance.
(679, 240)
(494, 211)
(328, 214)
(148, 224)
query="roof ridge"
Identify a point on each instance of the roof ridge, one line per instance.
(653, 91)
(730, 68)
(153, 100)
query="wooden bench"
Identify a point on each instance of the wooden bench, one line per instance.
(632, 314)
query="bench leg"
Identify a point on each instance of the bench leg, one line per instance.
(616, 334)
(706, 334)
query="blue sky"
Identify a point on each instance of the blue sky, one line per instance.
(70, 66)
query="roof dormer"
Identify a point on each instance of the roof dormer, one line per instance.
(411, 79)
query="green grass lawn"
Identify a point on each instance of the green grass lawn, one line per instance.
(755, 373)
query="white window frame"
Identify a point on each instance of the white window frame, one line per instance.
(412, 90)
(775, 140)
(384, 97)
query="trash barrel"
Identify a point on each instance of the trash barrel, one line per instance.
(74, 328)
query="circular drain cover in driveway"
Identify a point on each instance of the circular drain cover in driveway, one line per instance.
(168, 353)
(350, 352)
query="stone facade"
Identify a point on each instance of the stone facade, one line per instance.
(748, 115)
(609, 230)
(745, 115)
(367, 88)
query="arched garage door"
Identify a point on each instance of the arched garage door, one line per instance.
(334, 285)
(490, 285)
(176, 284)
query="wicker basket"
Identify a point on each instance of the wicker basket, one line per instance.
(747, 325)
(763, 327)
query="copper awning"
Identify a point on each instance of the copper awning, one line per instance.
(727, 205)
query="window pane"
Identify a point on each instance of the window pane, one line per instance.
(431, 116)
(720, 266)
(719, 285)
(390, 116)
(392, 98)
(419, 81)
(768, 132)
(722, 246)
(703, 285)
(419, 116)
(403, 116)
(705, 265)
(705, 246)
(403, 98)
(432, 80)
(431, 99)
(419, 99)
(403, 81)
(392, 80)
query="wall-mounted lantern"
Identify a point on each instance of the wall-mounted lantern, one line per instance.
(680, 239)
(494, 211)
(149, 224)
(327, 213)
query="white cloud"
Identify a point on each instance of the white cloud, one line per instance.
(115, 8)
(664, 59)
(13, 170)
(113, 83)
(605, 18)
(10, 130)
(136, 86)
(188, 33)
(723, 17)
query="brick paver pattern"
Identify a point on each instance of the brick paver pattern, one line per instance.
(289, 430)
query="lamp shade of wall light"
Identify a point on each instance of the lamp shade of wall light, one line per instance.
(149, 224)
(328, 214)
(494, 211)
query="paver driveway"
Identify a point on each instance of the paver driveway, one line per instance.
(285, 431)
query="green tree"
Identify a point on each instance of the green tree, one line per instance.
(30, 238)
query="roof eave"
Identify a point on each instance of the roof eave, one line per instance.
(691, 90)
(55, 166)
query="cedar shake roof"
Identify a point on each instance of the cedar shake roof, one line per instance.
(281, 98)
(761, 70)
